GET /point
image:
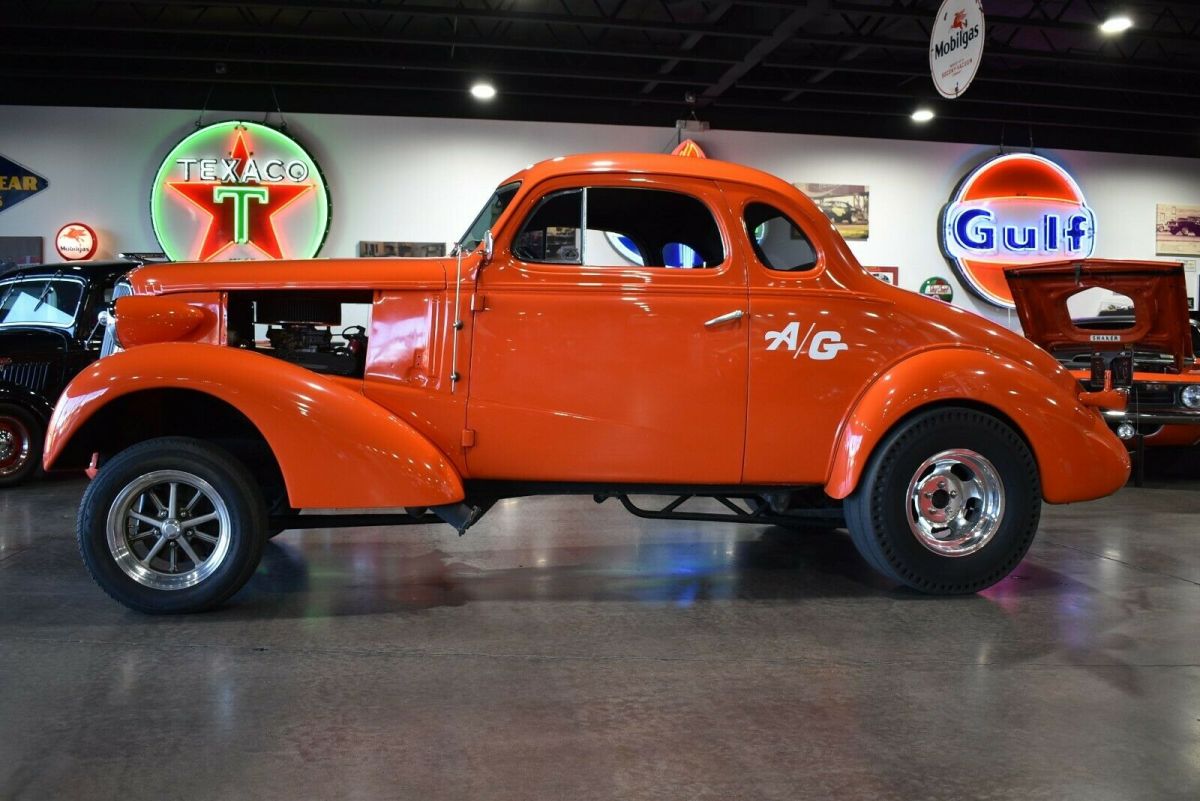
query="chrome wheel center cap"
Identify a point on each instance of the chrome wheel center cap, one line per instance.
(940, 498)
(171, 529)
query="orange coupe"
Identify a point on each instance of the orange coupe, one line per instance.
(620, 325)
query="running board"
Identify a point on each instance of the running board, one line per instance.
(759, 513)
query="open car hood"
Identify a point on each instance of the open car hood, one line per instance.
(1157, 289)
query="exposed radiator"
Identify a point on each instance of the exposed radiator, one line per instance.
(31, 375)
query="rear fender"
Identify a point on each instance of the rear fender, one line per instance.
(1077, 456)
(335, 448)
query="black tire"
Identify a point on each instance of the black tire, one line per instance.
(878, 511)
(245, 524)
(21, 449)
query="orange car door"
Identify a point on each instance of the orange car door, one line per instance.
(814, 343)
(587, 366)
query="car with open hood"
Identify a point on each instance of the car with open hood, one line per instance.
(619, 325)
(1147, 348)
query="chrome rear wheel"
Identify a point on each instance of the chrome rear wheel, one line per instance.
(956, 502)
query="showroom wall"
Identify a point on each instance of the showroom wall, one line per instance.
(422, 179)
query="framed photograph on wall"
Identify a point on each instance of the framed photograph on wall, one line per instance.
(1177, 230)
(888, 275)
(410, 250)
(848, 206)
(19, 251)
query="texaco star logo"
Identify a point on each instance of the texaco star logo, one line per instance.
(239, 190)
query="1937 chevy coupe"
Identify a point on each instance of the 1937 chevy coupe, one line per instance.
(731, 347)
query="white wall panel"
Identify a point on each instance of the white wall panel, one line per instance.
(423, 179)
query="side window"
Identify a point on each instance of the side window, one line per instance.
(778, 242)
(615, 226)
(551, 234)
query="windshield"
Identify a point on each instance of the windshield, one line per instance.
(491, 212)
(40, 301)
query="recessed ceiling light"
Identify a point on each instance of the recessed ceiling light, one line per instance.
(922, 115)
(1116, 24)
(483, 91)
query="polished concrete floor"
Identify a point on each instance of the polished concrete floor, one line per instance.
(564, 650)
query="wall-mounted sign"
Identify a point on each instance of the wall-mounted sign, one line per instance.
(956, 46)
(19, 251)
(404, 250)
(689, 148)
(939, 288)
(239, 190)
(1014, 209)
(848, 206)
(18, 183)
(76, 241)
(888, 275)
(1176, 229)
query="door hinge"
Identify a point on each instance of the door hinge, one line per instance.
(468, 438)
(477, 302)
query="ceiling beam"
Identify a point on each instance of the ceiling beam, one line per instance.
(783, 31)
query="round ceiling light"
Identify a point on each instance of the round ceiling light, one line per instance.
(1116, 24)
(483, 91)
(922, 115)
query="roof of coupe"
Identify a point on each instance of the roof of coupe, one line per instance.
(656, 163)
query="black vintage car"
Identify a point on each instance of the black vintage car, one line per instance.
(49, 331)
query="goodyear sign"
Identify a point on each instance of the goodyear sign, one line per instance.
(17, 183)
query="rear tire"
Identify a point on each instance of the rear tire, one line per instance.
(949, 503)
(172, 525)
(21, 439)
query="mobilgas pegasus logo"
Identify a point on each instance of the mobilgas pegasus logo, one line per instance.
(1012, 210)
(239, 190)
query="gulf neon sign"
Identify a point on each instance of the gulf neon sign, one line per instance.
(1012, 210)
(239, 190)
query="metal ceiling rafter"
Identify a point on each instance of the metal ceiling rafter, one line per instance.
(656, 55)
(723, 105)
(998, 19)
(482, 13)
(713, 16)
(763, 48)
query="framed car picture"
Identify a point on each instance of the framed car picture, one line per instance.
(19, 251)
(848, 206)
(888, 275)
(419, 250)
(1177, 230)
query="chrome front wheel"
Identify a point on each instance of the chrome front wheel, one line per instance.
(172, 525)
(169, 530)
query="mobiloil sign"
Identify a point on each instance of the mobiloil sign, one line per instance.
(239, 190)
(1012, 210)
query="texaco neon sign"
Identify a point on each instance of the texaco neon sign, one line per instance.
(239, 190)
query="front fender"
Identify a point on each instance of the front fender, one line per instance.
(1078, 457)
(335, 448)
(23, 396)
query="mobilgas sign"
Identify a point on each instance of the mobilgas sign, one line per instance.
(956, 46)
(239, 190)
(1011, 210)
(17, 183)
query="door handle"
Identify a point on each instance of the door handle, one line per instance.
(725, 318)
